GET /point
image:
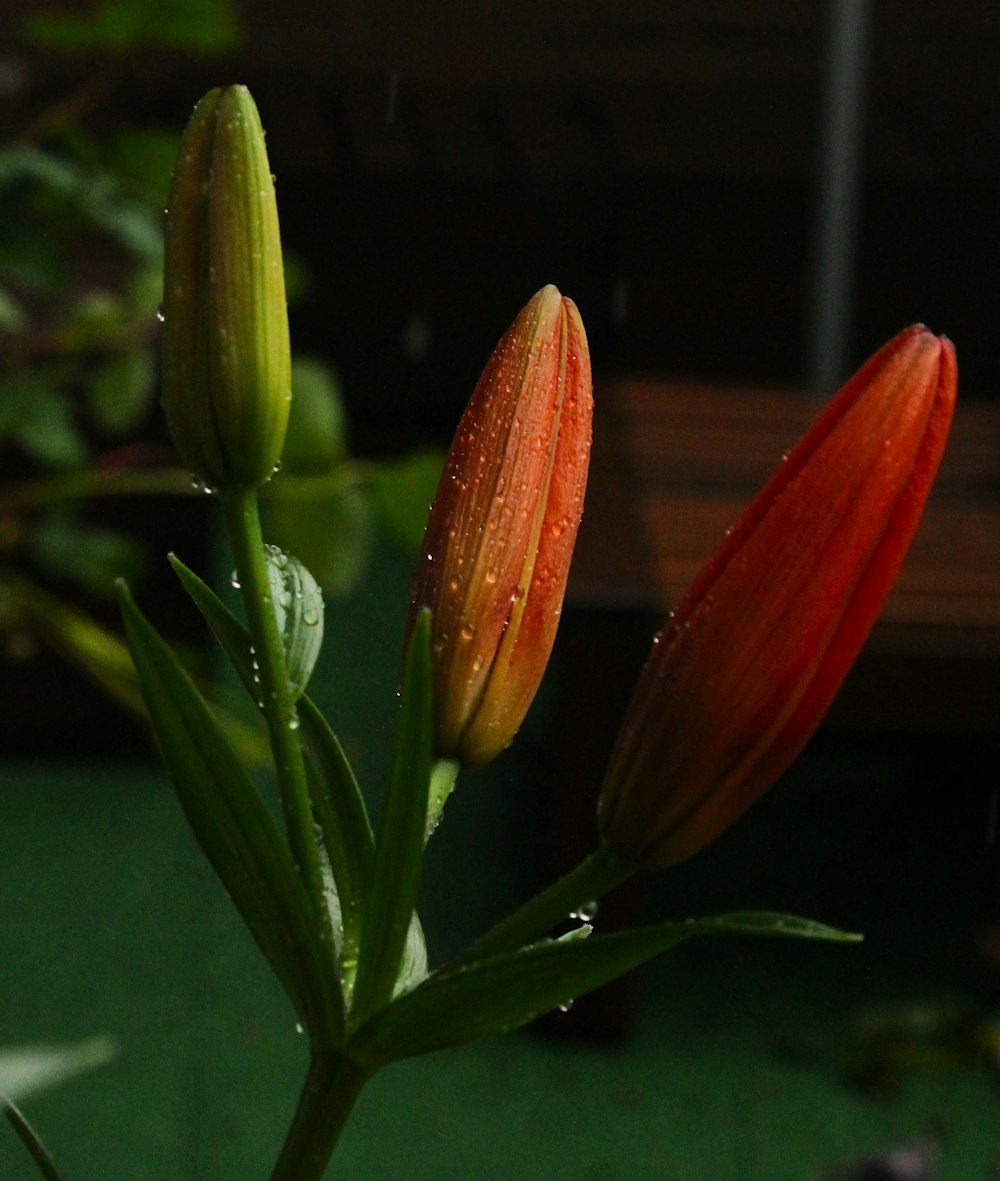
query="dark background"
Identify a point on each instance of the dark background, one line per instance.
(439, 161)
(659, 161)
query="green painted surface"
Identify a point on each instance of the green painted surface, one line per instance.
(113, 923)
(110, 921)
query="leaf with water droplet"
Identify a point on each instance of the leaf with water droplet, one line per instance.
(500, 993)
(298, 606)
(235, 828)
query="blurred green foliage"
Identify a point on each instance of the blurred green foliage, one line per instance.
(80, 284)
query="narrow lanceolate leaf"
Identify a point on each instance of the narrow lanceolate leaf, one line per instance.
(495, 996)
(343, 821)
(337, 802)
(236, 830)
(399, 844)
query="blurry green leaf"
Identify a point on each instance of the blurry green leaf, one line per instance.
(95, 194)
(121, 392)
(98, 652)
(30, 254)
(326, 521)
(40, 418)
(399, 841)
(495, 996)
(144, 158)
(297, 277)
(92, 557)
(131, 223)
(144, 290)
(195, 26)
(298, 609)
(97, 315)
(317, 427)
(402, 491)
(25, 1070)
(235, 828)
(12, 318)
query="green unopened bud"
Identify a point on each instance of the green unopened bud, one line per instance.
(226, 356)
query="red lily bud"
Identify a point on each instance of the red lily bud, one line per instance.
(502, 529)
(751, 660)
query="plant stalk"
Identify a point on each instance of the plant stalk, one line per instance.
(275, 696)
(329, 1093)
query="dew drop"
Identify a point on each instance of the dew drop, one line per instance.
(467, 631)
(234, 580)
(585, 913)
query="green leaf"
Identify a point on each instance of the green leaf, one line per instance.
(235, 829)
(40, 418)
(194, 26)
(340, 812)
(25, 1070)
(12, 317)
(298, 609)
(337, 802)
(143, 158)
(316, 439)
(121, 392)
(399, 844)
(495, 996)
(90, 557)
(327, 521)
(402, 491)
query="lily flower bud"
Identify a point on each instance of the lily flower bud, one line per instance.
(226, 357)
(501, 531)
(755, 653)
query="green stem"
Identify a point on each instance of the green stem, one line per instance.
(331, 1089)
(590, 880)
(276, 700)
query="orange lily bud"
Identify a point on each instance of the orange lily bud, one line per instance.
(502, 528)
(226, 365)
(755, 653)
